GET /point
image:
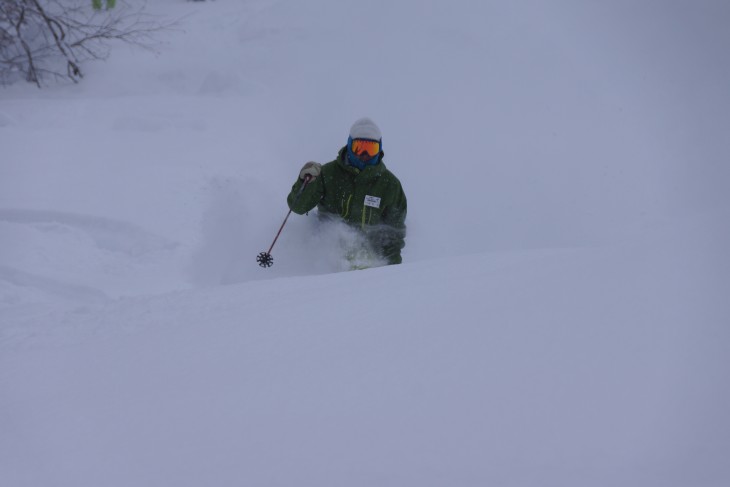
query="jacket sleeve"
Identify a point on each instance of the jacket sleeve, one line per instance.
(309, 197)
(393, 233)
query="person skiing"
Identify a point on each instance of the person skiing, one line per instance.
(357, 188)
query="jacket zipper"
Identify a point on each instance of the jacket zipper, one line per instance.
(346, 207)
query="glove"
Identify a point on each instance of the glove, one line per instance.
(311, 168)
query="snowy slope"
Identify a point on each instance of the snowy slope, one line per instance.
(545, 368)
(561, 315)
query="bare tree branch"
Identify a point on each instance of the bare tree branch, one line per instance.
(42, 39)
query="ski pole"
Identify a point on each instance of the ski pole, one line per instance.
(264, 258)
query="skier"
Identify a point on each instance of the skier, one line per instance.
(358, 189)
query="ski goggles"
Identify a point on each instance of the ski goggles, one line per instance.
(369, 147)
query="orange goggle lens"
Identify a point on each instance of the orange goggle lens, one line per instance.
(370, 147)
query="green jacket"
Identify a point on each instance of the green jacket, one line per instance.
(371, 200)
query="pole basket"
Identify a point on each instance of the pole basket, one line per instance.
(265, 259)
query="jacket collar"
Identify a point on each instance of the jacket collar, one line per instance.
(370, 172)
